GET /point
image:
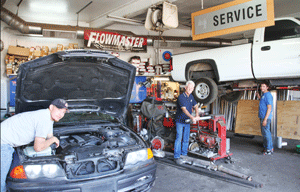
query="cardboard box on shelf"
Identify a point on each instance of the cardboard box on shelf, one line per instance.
(9, 66)
(73, 46)
(13, 50)
(11, 59)
(45, 51)
(9, 71)
(31, 50)
(6, 59)
(37, 53)
(53, 50)
(60, 47)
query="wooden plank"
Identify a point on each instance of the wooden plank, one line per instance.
(247, 121)
(288, 119)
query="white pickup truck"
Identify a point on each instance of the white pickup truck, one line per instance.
(274, 56)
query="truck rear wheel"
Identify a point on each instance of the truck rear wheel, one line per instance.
(206, 90)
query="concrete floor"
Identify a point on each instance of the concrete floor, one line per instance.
(279, 172)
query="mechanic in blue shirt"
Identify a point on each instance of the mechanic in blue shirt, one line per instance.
(265, 115)
(185, 104)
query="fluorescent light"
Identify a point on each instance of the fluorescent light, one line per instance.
(54, 6)
(161, 79)
(124, 20)
(31, 35)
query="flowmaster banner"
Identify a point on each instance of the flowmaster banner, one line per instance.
(113, 41)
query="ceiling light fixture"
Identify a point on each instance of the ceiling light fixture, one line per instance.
(30, 35)
(124, 20)
(161, 79)
(49, 7)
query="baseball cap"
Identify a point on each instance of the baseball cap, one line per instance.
(60, 103)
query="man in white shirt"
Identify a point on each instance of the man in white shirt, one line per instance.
(23, 128)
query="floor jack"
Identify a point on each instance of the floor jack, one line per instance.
(208, 138)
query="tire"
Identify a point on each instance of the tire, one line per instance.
(232, 97)
(206, 91)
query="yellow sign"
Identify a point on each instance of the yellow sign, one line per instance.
(232, 17)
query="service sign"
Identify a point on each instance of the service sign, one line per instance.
(235, 16)
(113, 41)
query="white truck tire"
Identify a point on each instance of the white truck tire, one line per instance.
(206, 90)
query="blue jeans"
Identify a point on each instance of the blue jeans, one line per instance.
(266, 133)
(183, 134)
(6, 159)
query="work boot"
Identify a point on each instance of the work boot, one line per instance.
(184, 157)
(265, 150)
(268, 152)
(179, 161)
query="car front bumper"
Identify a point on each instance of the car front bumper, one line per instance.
(141, 179)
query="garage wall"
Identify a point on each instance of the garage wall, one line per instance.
(4, 80)
(13, 37)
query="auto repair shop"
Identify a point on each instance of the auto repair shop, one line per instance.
(122, 65)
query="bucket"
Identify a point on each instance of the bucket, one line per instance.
(279, 142)
(298, 149)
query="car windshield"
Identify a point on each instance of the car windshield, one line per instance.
(86, 117)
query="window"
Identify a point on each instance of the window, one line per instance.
(283, 29)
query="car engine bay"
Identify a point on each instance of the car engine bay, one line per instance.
(88, 153)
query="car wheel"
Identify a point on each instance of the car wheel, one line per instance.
(206, 90)
(232, 97)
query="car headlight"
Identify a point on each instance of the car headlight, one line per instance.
(138, 156)
(33, 171)
(48, 170)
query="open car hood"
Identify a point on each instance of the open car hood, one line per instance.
(87, 79)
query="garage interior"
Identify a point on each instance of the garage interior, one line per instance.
(31, 29)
